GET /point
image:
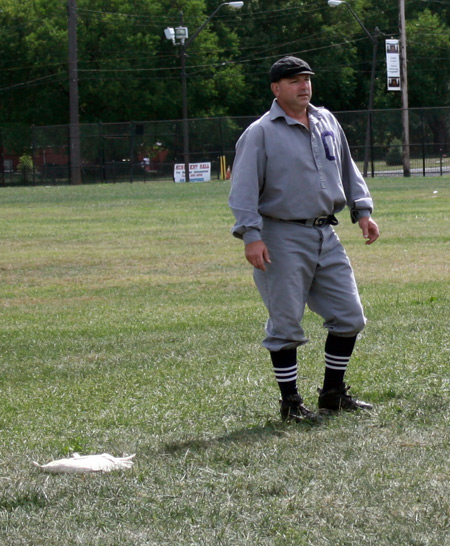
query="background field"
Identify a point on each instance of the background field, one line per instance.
(129, 324)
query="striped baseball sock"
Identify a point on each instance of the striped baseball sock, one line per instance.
(338, 351)
(285, 369)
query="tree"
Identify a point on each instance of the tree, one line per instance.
(129, 71)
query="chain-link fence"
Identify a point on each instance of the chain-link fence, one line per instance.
(144, 151)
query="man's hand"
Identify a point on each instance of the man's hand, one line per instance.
(257, 254)
(370, 229)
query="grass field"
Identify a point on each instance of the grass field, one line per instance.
(129, 324)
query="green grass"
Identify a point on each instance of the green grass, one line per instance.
(129, 323)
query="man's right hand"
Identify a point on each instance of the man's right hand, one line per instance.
(257, 254)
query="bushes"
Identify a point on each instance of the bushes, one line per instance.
(394, 154)
(25, 166)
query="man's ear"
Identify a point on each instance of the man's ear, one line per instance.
(275, 88)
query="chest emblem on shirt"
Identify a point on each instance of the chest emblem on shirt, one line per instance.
(328, 144)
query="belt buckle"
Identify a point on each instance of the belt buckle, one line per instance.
(320, 221)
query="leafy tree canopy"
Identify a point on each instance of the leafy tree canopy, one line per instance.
(129, 71)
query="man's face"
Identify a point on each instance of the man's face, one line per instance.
(293, 93)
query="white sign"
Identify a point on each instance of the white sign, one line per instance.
(393, 65)
(198, 172)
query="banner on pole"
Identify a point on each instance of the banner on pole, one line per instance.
(393, 65)
(198, 172)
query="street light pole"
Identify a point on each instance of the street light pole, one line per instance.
(404, 86)
(185, 124)
(74, 126)
(374, 40)
(367, 145)
(180, 35)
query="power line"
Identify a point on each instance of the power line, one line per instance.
(30, 82)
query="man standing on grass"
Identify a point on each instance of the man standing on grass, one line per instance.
(292, 173)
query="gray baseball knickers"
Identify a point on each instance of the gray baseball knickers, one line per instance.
(309, 266)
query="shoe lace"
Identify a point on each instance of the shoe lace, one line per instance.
(345, 390)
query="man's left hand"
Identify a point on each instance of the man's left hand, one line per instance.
(370, 229)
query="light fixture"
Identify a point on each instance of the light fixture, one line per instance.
(169, 33)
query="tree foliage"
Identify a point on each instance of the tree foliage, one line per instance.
(128, 70)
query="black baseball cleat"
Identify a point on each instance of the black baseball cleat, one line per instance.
(338, 399)
(293, 409)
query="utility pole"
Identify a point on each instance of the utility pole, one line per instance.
(74, 126)
(404, 86)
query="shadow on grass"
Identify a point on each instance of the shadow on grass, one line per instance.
(246, 435)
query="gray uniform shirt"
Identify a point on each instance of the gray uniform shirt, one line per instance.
(285, 171)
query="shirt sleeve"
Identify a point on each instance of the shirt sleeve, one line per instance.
(357, 193)
(248, 177)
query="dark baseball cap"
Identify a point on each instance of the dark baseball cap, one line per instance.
(288, 67)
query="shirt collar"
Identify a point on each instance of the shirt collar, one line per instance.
(277, 112)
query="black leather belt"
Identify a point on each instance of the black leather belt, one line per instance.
(319, 221)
